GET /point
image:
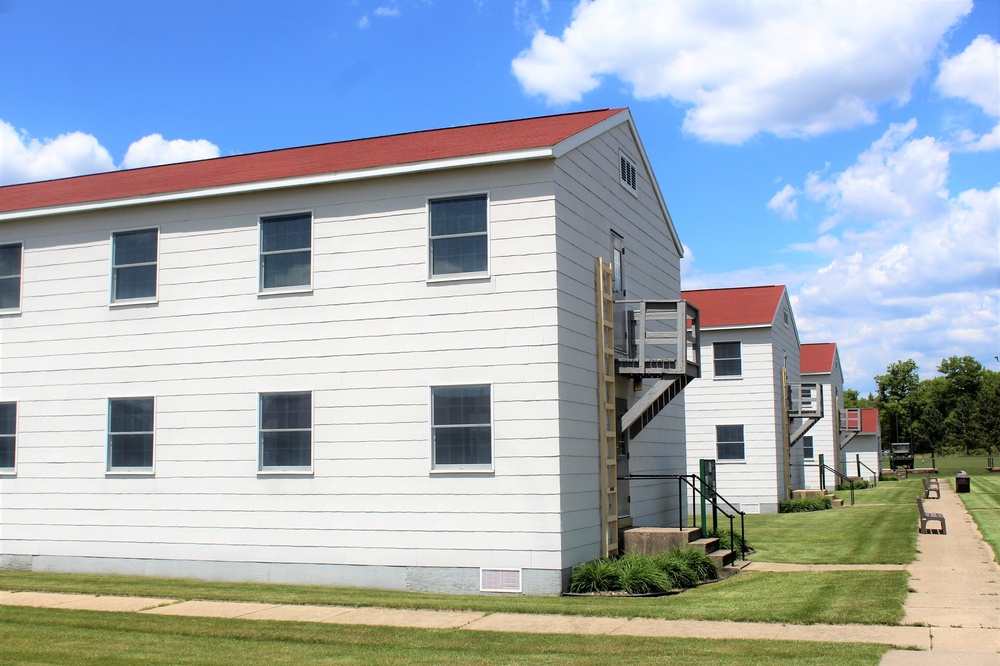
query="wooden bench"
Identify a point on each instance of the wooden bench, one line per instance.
(932, 485)
(927, 517)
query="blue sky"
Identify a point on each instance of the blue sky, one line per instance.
(850, 150)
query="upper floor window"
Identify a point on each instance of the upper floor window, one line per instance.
(8, 435)
(459, 242)
(461, 427)
(617, 264)
(286, 251)
(729, 442)
(285, 431)
(10, 276)
(133, 267)
(130, 434)
(807, 447)
(728, 360)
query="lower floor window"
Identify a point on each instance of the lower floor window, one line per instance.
(807, 447)
(285, 431)
(461, 429)
(130, 433)
(8, 434)
(729, 442)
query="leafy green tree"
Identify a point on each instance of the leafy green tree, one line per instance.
(928, 426)
(895, 388)
(963, 377)
(853, 400)
(986, 412)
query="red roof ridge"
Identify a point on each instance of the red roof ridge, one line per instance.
(301, 161)
(736, 306)
(817, 357)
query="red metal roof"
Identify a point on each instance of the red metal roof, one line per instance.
(817, 357)
(344, 156)
(737, 306)
(869, 420)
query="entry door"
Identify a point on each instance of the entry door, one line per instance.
(624, 510)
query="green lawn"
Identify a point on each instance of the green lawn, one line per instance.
(793, 598)
(879, 529)
(983, 504)
(44, 636)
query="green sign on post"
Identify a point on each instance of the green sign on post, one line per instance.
(707, 477)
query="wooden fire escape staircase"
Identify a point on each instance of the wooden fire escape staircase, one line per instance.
(640, 340)
(850, 425)
(801, 401)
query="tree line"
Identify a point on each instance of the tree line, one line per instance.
(958, 412)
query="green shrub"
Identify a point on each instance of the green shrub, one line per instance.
(703, 566)
(725, 538)
(638, 574)
(857, 484)
(600, 575)
(681, 575)
(888, 477)
(805, 504)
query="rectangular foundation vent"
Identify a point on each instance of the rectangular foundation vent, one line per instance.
(499, 580)
(750, 508)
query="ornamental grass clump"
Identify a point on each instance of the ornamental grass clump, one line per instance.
(730, 540)
(638, 574)
(635, 573)
(703, 566)
(805, 504)
(600, 575)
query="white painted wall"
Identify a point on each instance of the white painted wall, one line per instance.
(368, 340)
(757, 483)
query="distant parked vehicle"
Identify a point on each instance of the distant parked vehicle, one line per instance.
(901, 456)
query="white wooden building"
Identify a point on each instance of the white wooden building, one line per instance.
(820, 363)
(368, 363)
(736, 411)
(864, 445)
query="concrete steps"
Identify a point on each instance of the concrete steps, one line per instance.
(817, 492)
(656, 540)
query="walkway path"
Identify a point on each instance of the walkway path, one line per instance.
(956, 598)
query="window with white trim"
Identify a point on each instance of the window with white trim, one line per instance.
(729, 442)
(286, 251)
(130, 434)
(461, 427)
(617, 264)
(133, 265)
(808, 452)
(10, 276)
(8, 435)
(728, 359)
(285, 431)
(627, 173)
(459, 236)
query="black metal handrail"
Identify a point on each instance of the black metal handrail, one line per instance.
(838, 476)
(691, 480)
(861, 464)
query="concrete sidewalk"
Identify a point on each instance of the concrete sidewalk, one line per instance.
(955, 600)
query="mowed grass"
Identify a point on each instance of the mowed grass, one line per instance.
(983, 504)
(879, 529)
(44, 636)
(791, 598)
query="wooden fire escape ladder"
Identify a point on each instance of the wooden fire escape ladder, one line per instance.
(606, 401)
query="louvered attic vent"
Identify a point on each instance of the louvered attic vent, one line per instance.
(628, 173)
(499, 580)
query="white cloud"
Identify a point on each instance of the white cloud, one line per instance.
(784, 203)
(970, 142)
(913, 270)
(154, 149)
(387, 11)
(974, 75)
(364, 22)
(786, 67)
(25, 159)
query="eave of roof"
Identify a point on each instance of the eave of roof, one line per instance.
(531, 138)
(736, 306)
